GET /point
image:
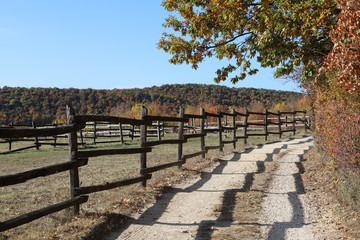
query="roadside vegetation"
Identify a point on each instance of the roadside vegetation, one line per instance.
(330, 198)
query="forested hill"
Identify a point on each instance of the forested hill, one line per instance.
(44, 105)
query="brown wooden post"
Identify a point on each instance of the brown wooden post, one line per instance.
(221, 149)
(180, 136)
(55, 137)
(234, 127)
(304, 121)
(158, 130)
(293, 122)
(121, 133)
(266, 124)
(193, 124)
(132, 130)
(310, 119)
(82, 137)
(73, 148)
(225, 124)
(246, 125)
(36, 138)
(94, 132)
(10, 140)
(279, 122)
(143, 133)
(202, 130)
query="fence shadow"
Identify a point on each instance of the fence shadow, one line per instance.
(225, 218)
(227, 207)
(158, 209)
(278, 229)
(112, 222)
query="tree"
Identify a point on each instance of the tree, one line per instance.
(278, 33)
(344, 58)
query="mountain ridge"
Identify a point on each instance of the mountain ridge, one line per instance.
(44, 105)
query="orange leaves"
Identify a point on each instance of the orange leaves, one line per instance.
(345, 56)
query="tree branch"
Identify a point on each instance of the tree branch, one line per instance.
(229, 41)
(316, 52)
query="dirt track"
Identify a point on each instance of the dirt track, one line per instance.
(187, 211)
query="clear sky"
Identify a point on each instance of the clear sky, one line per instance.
(97, 44)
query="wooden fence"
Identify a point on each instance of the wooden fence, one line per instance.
(226, 123)
(37, 141)
(105, 132)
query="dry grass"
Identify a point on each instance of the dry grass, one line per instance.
(328, 195)
(105, 211)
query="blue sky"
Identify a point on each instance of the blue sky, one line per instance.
(97, 44)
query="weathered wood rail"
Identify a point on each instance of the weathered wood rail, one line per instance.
(98, 132)
(37, 140)
(184, 122)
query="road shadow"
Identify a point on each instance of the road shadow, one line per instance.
(228, 201)
(112, 223)
(158, 209)
(225, 218)
(278, 229)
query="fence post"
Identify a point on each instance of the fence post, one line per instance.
(304, 121)
(266, 124)
(226, 132)
(82, 137)
(293, 121)
(221, 149)
(10, 140)
(73, 148)
(279, 122)
(158, 130)
(94, 128)
(55, 137)
(234, 126)
(193, 124)
(246, 125)
(132, 130)
(143, 131)
(121, 133)
(180, 135)
(311, 119)
(202, 130)
(36, 138)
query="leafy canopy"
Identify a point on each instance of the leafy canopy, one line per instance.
(280, 33)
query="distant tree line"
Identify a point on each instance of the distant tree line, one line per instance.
(45, 105)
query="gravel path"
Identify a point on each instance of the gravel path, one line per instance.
(284, 215)
(187, 211)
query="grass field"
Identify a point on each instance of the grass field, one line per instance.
(105, 210)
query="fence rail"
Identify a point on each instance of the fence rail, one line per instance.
(187, 128)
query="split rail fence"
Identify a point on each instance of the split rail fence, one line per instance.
(188, 126)
(96, 132)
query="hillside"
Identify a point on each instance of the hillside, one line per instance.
(44, 105)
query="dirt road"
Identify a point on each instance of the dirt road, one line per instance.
(195, 209)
